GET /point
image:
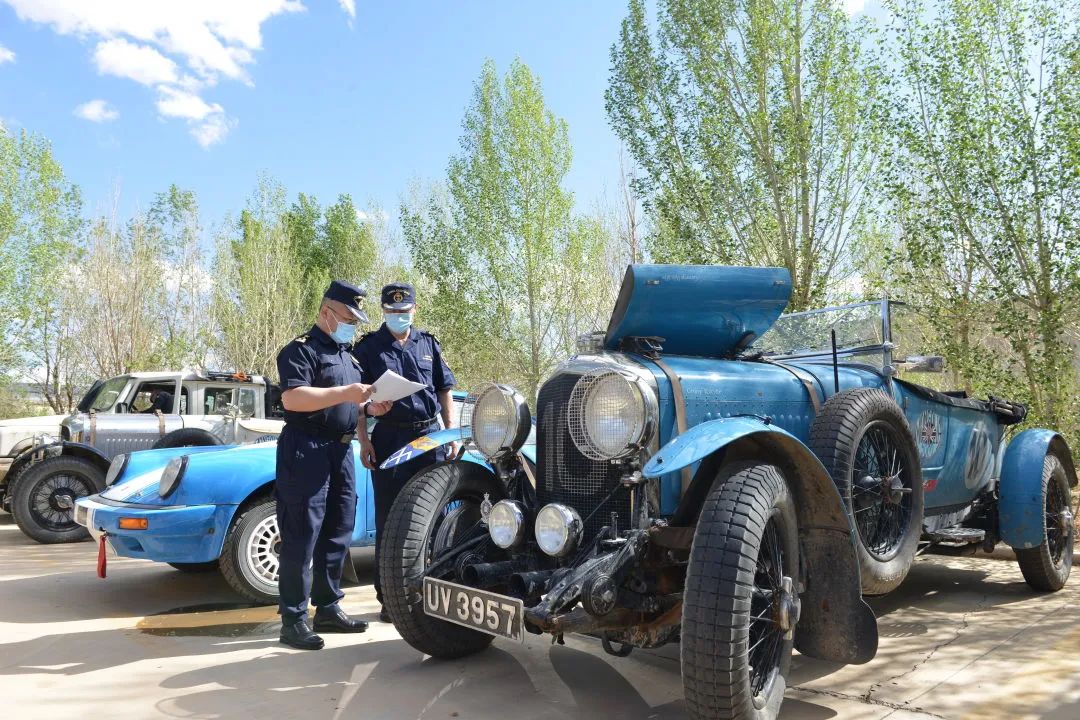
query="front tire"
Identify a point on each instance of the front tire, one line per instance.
(740, 603)
(862, 438)
(416, 529)
(1047, 567)
(44, 500)
(251, 556)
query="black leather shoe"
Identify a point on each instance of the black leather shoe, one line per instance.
(336, 621)
(300, 636)
(384, 616)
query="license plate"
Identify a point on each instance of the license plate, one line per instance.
(476, 609)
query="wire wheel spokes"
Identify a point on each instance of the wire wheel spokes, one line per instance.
(766, 637)
(457, 522)
(52, 501)
(880, 492)
(1059, 519)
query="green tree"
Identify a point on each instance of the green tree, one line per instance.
(753, 126)
(507, 260)
(40, 225)
(985, 188)
(259, 298)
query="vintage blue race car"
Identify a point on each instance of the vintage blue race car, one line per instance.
(201, 508)
(711, 473)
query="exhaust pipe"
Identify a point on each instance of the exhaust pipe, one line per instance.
(529, 584)
(485, 575)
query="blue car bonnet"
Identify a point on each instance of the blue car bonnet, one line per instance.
(703, 310)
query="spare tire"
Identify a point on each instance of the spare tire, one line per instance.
(188, 437)
(862, 438)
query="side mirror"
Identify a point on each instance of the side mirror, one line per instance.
(121, 407)
(925, 364)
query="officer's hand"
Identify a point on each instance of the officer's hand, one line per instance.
(452, 450)
(375, 409)
(367, 455)
(358, 392)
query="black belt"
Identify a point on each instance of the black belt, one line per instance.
(418, 425)
(323, 433)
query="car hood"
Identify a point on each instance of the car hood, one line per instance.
(142, 475)
(701, 310)
(15, 434)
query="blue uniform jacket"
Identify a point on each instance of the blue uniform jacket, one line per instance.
(316, 360)
(419, 359)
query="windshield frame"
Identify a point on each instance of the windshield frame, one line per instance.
(90, 403)
(826, 352)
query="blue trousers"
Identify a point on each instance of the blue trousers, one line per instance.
(316, 510)
(386, 484)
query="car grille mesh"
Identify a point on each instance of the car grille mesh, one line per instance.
(564, 474)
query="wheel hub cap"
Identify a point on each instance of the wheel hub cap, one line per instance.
(786, 605)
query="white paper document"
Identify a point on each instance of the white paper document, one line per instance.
(391, 386)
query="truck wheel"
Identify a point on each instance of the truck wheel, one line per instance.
(862, 438)
(436, 508)
(44, 500)
(1047, 567)
(187, 437)
(741, 603)
(199, 567)
(249, 560)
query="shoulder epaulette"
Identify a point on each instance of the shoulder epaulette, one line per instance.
(302, 339)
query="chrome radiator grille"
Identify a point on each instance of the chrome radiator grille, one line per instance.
(564, 474)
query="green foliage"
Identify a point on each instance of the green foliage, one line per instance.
(39, 228)
(984, 184)
(259, 297)
(753, 124)
(509, 264)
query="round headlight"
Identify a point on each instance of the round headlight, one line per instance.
(611, 414)
(506, 524)
(500, 421)
(557, 529)
(116, 469)
(171, 476)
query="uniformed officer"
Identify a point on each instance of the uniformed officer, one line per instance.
(315, 488)
(415, 355)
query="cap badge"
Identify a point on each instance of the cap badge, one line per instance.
(399, 296)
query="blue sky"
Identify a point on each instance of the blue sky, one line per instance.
(328, 96)
(327, 104)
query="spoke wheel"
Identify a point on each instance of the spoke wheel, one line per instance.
(1047, 567)
(863, 439)
(880, 494)
(45, 495)
(740, 604)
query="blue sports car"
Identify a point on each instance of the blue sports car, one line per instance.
(206, 508)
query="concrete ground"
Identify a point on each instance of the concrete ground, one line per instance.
(962, 638)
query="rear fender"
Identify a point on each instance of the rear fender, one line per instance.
(836, 624)
(1020, 508)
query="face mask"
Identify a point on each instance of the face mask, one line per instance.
(344, 334)
(398, 322)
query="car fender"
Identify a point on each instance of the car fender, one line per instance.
(836, 623)
(425, 444)
(1020, 507)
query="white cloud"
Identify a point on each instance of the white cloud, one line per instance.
(6, 55)
(182, 104)
(179, 47)
(96, 111)
(140, 63)
(349, 6)
(853, 7)
(213, 130)
(378, 215)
